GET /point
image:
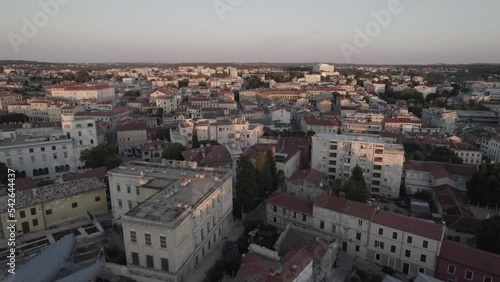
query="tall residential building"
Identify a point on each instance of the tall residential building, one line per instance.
(323, 68)
(83, 133)
(381, 161)
(172, 214)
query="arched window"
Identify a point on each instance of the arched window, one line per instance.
(66, 167)
(90, 124)
(78, 126)
(46, 170)
(35, 172)
(57, 169)
(40, 171)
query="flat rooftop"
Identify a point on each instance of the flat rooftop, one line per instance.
(361, 139)
(33, 139)
(181, 187)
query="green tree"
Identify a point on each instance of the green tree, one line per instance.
(281, 178)
(246, 186)
(163, 134)
(159, 113)
(484, 186)
(14, 117)
(356, 188)
(183, 83)
(82, 76)
(99, 156)
(132, 93)
(487, 235)
(272, 169)
(196, 142)
(263, 175)
(173, 151)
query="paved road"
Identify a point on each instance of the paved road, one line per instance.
(198, 274)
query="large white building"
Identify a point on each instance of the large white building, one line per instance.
(168, 103)
(48, 154)
(8, 98)
(44, 111)
(381, 161)
(323, 68)
(442, 118)
(172, 215)
(77, 92)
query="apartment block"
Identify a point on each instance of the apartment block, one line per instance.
(408, 245)
(442, 118)
(77, 92)
(8, 98)
(381, 161)
(176, 214)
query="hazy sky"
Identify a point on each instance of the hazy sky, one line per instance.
(425, 31)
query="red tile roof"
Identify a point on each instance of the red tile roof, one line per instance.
(470, 257)
(441, 170)
(330, 202)
(294, 266)
(290, 202)
(208, 155)
(311, 175)
(25, 183)
(255, 268)
(408, 224)
(359, 210)
(99, 173)
(312, 120)
(132, 126)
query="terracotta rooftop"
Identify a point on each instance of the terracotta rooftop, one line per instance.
(470, 257)
(290, 202)
(330, 202)
(311, 120)
(441, 170)
(409, 224)
(25, 183)
(208, 155)
(132, 126)
(99, 173)
(313, 176)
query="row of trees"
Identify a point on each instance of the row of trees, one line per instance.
(14, 117)
(429, 152)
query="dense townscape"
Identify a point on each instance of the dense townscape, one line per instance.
(249, 172)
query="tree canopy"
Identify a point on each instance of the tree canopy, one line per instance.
(484, 186)
(82, 76)
(173, 152)
(355, 188)
(196, 142)
(99, 156)
(14, 117)
(163, 134)
(132, 93)
(487, 235)
(246, 186)
(429, 152)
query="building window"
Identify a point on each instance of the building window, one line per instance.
(48, 212)
(118, 189)
(423, 258)
(380, 231)
(32, 150)
(35, 222)
(322, 224)
(394, 235)
(407, 253)
(304, 217)
(97, 199)
(129, 190)
(130, 205)
(357, 248)
(358, 236)
(425, 244)
(409, 239)
(135, 258)
(379, 244)
(393, 249)
(275, 208)
(164, 264)
(274, 219)
(33, 211)
(42, 149)
(360, 222)
(133, 237)
(74, 205)
(469, 275)
(138, 190)
(421, 270)
(163, 242)
(147, 239)
(33, 159)
(377, 257)
(487, 279)
(120, 205)
(53, 148)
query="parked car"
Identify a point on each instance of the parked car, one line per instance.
(383, 200)
(371, 199)
(388, 270)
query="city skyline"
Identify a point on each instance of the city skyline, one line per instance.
(420, 32)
